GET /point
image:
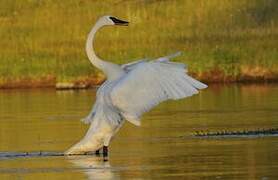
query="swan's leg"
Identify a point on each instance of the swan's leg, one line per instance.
(105, 151)
(97, 152)
(106, 144)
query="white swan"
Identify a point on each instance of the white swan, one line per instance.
(129, 91)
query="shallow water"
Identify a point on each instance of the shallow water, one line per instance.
(48, 120)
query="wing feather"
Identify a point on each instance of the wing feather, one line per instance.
(149, 83)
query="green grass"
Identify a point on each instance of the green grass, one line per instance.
(236, 38)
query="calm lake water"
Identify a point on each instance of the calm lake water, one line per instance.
(162, 148)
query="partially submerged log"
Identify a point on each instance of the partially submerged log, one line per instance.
(241, 133)
(7, 155)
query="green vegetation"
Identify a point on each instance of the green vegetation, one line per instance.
(222, 40)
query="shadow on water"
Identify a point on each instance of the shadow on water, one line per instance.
(47, 121)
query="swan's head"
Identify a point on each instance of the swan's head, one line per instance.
(111, 20)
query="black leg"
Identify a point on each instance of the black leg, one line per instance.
(97, 152)
(105, 151)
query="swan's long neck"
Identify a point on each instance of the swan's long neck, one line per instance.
(112, 71)
(95, 60)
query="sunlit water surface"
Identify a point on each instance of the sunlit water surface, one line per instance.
(163, 147)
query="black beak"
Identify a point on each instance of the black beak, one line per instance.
(119, 22)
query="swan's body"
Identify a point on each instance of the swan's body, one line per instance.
(129, 91)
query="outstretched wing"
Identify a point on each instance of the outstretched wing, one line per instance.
(150, 83)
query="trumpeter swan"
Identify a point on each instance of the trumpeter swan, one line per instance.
(129, 91)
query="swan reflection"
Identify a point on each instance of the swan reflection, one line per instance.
(95, 167)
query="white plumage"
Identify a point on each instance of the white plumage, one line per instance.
(129, 91)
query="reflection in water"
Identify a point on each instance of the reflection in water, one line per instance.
(95, 167)
(162, 148)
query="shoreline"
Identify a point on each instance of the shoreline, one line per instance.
(92, 82)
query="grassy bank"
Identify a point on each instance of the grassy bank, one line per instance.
(42, 42)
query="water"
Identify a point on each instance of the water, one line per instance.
(162, 148)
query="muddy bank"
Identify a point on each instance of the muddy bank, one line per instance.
(247, 74)
(51, 82)
(212, 76)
